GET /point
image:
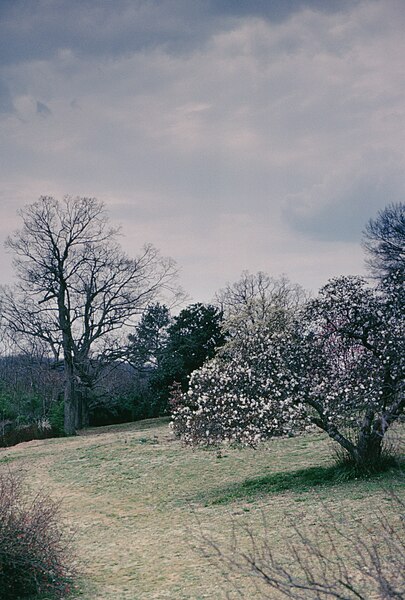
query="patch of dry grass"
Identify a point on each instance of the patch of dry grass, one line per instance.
(137, 498)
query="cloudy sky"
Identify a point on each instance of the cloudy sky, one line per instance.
(231, 134)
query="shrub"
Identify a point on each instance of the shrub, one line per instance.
(35, 559)
(15, 434)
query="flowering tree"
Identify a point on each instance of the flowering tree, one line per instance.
(242, 396)
(340, 367)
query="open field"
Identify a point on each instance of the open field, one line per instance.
(136, 499)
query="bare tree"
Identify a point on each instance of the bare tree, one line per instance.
(384, 242)
(258, 300)
(76, 288)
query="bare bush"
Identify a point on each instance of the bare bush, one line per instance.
(35, 557)
(332, 561)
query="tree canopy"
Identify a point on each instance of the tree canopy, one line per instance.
(256, 299)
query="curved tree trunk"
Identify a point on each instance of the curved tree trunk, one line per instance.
(366, 452)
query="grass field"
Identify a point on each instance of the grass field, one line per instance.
(136, 499)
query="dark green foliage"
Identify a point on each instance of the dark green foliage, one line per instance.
(56, 417)
(146, 345)
(20, 405)
(7, 410)
(13, 435)
(165, 350)
(34, 557)
(193, 337)
(29, 389)
(124, 396)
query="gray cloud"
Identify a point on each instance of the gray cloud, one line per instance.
(338, 209)
(264, 142)
(39, 30)
(275, 10)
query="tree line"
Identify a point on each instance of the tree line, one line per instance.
(88, 336)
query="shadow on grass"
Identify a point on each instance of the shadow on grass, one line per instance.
(303, 480)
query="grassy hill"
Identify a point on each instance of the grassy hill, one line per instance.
(137, 500)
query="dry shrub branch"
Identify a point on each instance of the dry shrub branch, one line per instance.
(331, 561)
(35, 555)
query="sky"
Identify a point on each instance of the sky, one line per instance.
(231, 134)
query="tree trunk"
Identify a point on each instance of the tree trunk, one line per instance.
(369, 450)
(366, 453)
(85, 410)
(70, 410)
(82, 417)
(70, 395)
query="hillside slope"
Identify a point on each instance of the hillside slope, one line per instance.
(136, 499)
